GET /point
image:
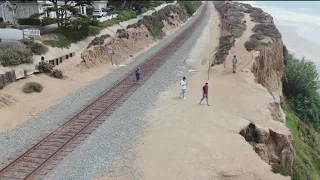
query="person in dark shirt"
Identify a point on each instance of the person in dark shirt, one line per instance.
(138, 73)
(205, 93)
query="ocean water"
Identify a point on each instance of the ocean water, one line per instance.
(299, 24)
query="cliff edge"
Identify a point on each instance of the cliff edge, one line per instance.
(249, 32)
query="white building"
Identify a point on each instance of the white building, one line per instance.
(25, 10)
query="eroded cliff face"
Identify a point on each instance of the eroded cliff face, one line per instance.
(274, 147)
(268, 69)
(126, 43)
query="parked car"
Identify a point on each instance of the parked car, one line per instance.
(99, 13)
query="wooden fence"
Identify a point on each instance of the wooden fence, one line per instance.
(10, 76)
(60, 59)
(7, 78)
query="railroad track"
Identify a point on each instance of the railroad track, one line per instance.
(37, 161)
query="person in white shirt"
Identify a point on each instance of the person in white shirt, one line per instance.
(110, 52)
(183, 84)
(234, 64)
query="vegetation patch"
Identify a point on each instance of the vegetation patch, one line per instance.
(3, 25)
(99, 40)
(232, 16)
(44, 67)
(300, 86)
(67, 36)
(47, 21)
(278, 169)
(267, 29)
(122, 33)
(57, 73)
(31, 87)
(29, 21)
(126, 15)
(306, 163)
(264, 28)
(108, 23)
(188, 6)
(154, 23)
(14, 58)
(36, 48)
(225, 44)
(13, 53)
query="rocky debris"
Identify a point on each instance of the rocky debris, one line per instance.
(122, 33)
(273, 147)
(99, 40)
(277, 113)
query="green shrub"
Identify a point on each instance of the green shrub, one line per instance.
(47, 21)
(108, 23)
(94, 22)
(93, 30)
(57, 74)
(115, 12)
(36, 15)
(126, 15)
(252, 44)
(276, 168)
(306, 162)
(257, 36)
(225, 44)
(3, 25)
(14, 45)
(29, 21)
(36, 48)
(144, 9)
(67, 36)
(267, 29)
(300, 77)
(14, 58)
(44, 67)
(300, 85)
(154, 22)
(31, 87)
(189, 7)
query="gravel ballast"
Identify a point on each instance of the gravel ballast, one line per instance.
(116, 138)
(117, 135)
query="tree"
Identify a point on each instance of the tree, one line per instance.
(124, 4)
(67, 6)
(15, 8)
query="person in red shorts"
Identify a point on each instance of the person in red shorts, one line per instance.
(205, 93)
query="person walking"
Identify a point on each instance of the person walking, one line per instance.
(205, 93)
(183, 84)
(110, 52)
(138, 73)
(234, 63)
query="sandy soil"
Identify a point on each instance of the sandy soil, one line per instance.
(185, 140)
(17, 107)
